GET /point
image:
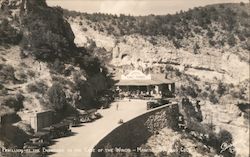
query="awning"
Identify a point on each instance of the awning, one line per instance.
(156, 79)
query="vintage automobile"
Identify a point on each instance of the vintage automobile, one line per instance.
(40, 139)
(73, 121)
(152, 104)
(84, 116)
(98, 115)
(156, 103)
(163, 101)
(35, 144)
(58, 130)
(93, 114)
(61, 129)
(43, 136)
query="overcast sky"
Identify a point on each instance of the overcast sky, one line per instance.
(134, 7)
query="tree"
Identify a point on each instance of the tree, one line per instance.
(212, 98)
(221, 89)
(231, 40)
(196, 48)
(57, 97)
(248, 44)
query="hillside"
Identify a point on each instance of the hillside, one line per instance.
(205, 50)
(202, 38)
(210, 43)
(41, 68)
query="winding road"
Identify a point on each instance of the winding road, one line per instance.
(87, 136)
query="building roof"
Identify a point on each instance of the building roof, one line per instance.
(152, 79)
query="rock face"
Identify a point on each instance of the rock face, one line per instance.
(43, 29)
(46, 30)
(200, 53)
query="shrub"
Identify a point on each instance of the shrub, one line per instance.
(196, 48)
(180, 150)
(38, 87)
(204, 94)
(191, 91)
(15, 103)
(221, 89)
(58, 66)
(84, 29)
(242, 3)
(231, 40)
(248, 44)
(212, 42)
(9, 34)
(169, 68)
(224, 136)
(212, 98)
(6, 73)
(210, 33)
(21, 75)
(31, 73)
(178, 73)
(177, 43)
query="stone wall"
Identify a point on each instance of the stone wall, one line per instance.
(126, 139)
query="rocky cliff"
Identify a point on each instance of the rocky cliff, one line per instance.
(41, 68)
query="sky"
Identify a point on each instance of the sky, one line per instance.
(135, 7)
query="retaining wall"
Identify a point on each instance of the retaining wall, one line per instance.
(126, 139)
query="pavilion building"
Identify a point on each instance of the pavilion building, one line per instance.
(136, 83)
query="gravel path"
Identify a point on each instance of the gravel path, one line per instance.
(88, 135)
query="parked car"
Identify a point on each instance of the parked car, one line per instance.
(43, 136)
(163, 101)
(84, 116)
(58, 130)
(98, 115)
(73, 121)
(37, 142)
(156, 103)
(152, 104)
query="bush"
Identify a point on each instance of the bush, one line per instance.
(231, 40)
(248, 44)
(38, 87)
(210, 33)
(212, 42)
(221, 89)
(212, 98)
(58, 66)
(8, 34)
(177, 43)
(190, 91)
(204, 94)
(225, 137)
(21, 75)
(57, 97)
(242, 3)
(6, 73)
(169, 68)
(179, 150)
(178, 73)
(15, 103)
(196, 48)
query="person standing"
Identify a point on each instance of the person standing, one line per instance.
(117, 107)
